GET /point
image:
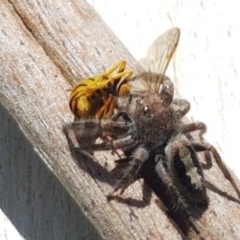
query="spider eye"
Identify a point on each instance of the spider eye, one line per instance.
(145, 110)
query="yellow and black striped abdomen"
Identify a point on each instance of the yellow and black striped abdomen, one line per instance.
(96, 96)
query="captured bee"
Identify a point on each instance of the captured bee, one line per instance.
(95, 96)
(149, 122)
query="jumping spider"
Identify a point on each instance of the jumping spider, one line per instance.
(149, 123)
(153, 118)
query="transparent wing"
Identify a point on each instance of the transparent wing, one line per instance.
(159, 55)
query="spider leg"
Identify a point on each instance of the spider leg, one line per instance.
(203, 129)
(183, 107)
(195, 126)
(200, 146)
(112, 144)
(174, 192)
(208, 148)
(86, 128)
(122, 75)
(147, 193)
(131, 172)
(167, 180)
(185, 170)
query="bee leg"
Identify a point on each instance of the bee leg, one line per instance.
(135, 162)
(107, 108)
(183, 107)
(200, 146)
(119, 65)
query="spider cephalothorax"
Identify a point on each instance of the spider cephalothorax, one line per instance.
(154, 119)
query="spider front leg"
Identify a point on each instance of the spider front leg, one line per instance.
(87, 130)
(204, 146)
(131, 172)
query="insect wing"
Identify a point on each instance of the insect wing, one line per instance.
(159, 55)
